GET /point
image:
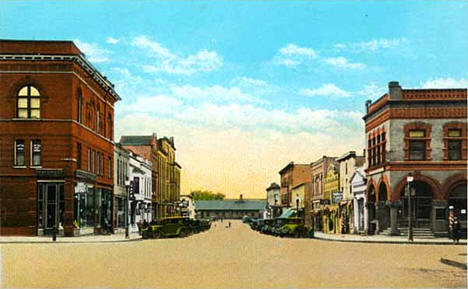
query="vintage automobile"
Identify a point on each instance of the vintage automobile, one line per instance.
(168, 227)
(268, 224)
(205, 224)
(247, 219)
(293, 227)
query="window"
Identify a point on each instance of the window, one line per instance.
(98, 160)
(417, 150)
(28, 102)
(109, 172)
(89, 159)
(80, 105)
(454, 132)
(19, 152)
(102, 164)
(109, 124)
(454, 149)
(92, 161)
(97, 120)
(36, 152)
(78, 156)
(417, 141)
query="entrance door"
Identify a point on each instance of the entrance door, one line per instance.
(50, 206)
(421, 206)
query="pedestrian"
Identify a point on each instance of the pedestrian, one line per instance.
(456, 231)
(229, 223)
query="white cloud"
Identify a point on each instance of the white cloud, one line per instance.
(327, 89)
(215, 93)
(247, 81)
(373, 45)
(93, 52)
(372, 91)
(112, 40)
(343, 63)
(293, 55)
(445, 83)
(168, 62)
(293, 49)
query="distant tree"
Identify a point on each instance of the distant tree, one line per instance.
(206, 195)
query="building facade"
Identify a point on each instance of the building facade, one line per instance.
(292, 175)
(274, 200)
(140, 208)
(187, 207)
(56, 145)
(314, 197)
(121, 161)
(230, 209)
(347, 165)
(358, 191)
(165, 170)
(422, 132)
(331, 214)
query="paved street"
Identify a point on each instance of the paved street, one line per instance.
(230, 258)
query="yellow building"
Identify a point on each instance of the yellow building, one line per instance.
(331, 192)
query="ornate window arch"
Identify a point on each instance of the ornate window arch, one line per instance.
(28, 103)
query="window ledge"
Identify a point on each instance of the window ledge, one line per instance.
(19, 167)
(36, 167)
(25, 119)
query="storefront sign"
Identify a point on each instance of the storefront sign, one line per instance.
(81, 188)
(337, 197)
(49, 173)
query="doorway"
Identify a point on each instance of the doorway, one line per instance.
(50, 207)
(421, 206)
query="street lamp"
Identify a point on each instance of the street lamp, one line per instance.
(409, 180)
(128, 187)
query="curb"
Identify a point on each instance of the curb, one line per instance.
(453, 263)
(390, 242)
(71, 242)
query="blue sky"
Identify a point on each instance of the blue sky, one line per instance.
(253, 84)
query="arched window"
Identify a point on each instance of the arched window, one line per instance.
(28, 102)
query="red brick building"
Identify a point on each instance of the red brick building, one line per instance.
(56, 140)
(423, 132)
(291, 176)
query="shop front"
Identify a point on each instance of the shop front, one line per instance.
(83, 209)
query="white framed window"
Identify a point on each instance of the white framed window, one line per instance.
(36, 149)
(19, 152)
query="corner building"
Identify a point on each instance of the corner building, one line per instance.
(56, 141)
(423, 132)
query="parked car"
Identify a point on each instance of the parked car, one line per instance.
(293, 227)
(247, 219)
(168, 227)
(205, 224)
(268, 224)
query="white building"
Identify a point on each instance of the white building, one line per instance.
(358, 189)
(274, 200)
(187, 209)
(140, 202)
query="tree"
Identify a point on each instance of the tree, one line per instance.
(206, 195)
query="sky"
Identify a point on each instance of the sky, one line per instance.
(245, 87)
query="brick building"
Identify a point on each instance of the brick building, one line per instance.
(314, 199)
(56, 141)
(423, 132)
(291, 176)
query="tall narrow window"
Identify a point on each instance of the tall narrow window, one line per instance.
(97, 121)
(109, 125)
(89, 159)
(80, 105)
(36, 152)
(78, 156)
(102, 164)
(109, 172)
(28, 102)
(454, 150)
(19, 152)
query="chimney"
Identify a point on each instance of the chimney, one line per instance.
(368, 104)
(394, 90)
(240, 197)
(172, 140)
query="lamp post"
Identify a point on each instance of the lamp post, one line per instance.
(128, 187)
(409, 180)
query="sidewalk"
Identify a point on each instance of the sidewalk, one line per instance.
(119, 237)
(384, 239)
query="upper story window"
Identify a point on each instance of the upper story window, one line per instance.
(98, 120)
(28, 102)
(417, 141)
(78, 156)
(19, 152)
(376, 148)
(455, 141)
(79, 106)
(36, 152)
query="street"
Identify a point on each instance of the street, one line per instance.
(230, 258)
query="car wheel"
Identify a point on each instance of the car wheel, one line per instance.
(183, 234)
(156, 235)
